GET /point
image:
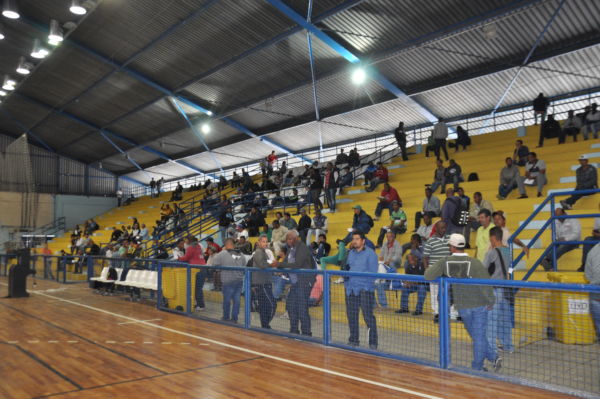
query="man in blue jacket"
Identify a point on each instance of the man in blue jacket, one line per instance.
(360, 291)
(361, 223)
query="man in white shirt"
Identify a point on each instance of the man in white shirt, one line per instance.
(431, 207)
(566, 230)
(178, 250)
(440, 134)
(592, 122)
(535, 174)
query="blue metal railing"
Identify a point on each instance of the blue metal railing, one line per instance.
(550, 222)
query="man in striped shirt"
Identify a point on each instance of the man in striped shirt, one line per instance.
(435, 249)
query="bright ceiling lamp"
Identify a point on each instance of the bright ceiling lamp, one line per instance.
(209, 113)
(9, 9)
(205, 128)
(1, 32)
(38, 51)
(359, 76)
(3, 93)
(76, 8)
(56, 33)
(8, 84)
(24, 67)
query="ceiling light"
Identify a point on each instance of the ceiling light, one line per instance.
(76, 8)
(1, 32)
(359, 76)
(209, 113)
(9, 9)
(38, 51)
(2, 93)
(54, 42)
(24, 68)
(205, 128)
(8, 84)
(56, 33)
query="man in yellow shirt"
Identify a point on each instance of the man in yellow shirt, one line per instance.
(482, 242)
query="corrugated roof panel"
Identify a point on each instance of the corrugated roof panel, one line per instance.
(25, 112)
(93, 148)
(59, 130)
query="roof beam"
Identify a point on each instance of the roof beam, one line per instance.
(131, 160)
(26, 130)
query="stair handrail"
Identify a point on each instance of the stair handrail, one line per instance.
(550, 222)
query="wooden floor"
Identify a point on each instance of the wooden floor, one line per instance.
(65, 342)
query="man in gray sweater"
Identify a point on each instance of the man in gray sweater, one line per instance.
(440, 134)
(261, 283)
(508, 179)
(473, 302)
(592, 273)
(298, 256)
(587, 179)
(232, 279)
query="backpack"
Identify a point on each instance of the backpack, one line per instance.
(459, 218)
(473, 177)
(371, 223)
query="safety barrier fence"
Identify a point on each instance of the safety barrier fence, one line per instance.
(544, 332)
(551, 253)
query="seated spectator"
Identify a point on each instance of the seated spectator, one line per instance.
(425, 231)
(588, 247)
(289, 222)
(550, 129)
(353, 158)
(430, 146)
(346, 179)
(415, 245)
(178, 249)
(386, 198)
(438, 176)
(413, 265)
(380, 176)
(570, 127)
(592, 122)
(129, 200)
(92, 226)
(278, 236)
(499, 219)
(303, 224)
(288, 179)
(535, 174)
(431, 207)
(165, 212)
(338, 259)
(342, 158)
(210, 243)
(243, 245)
(321, 248)
(508, 179)
(397, 223)
(116, 235)
(318, 226)
(369, 173)
(391, 252)
(452, 174)
(565, 230)
(521, 153)
(462, 139)
(177, 193)
(587, 179)
(361, 223)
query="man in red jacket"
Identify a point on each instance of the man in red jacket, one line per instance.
(193, 256)
(381, 176)
(388, 195)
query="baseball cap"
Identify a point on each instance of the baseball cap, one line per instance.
(357, 207)
(457, 240)
(583, 157)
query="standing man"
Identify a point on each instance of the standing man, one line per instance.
(478, 204)
(587, 179)
(508, 179)
(431, 207)
(592, 273)
(482, 241)
(261, 282)
(497, 263)
(232, 280)
(435, 249)
(360, 291)
(400, 135)
(472, 301)
(119, 197)
(440, 134)
(540, 107)
(330, 185)
(449, 209)
(535, 173)
(316, 185)
(298, 257)
(193, 256)
(152, 187)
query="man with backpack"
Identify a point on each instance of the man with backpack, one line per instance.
(497, 263)
(473, 302)
(361, 223)
(454, 213)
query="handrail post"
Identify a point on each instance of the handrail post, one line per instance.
(247, 298)
(553, 229)
(444, 321)
(188, 289)
(159, 295)
(326, 308)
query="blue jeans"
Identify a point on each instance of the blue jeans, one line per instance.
(381, 298)
(278, 286)
(381, 205)
(475, 321)
(330, 196)
(499, 324)
(434, 186)
(200, 277)
(503, 190)
(364, 301)
(297, 304)
(223, 234)
(232, 292)
(595, 311)
(420, 289)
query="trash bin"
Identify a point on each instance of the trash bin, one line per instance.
(570, 316)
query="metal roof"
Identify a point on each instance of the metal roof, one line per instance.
(248, 62)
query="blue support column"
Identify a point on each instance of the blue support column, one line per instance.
(131, 160)
(553, 230)
(444, 324)
(159, 294)
(247, 298)
(326, 308)
(188, 289)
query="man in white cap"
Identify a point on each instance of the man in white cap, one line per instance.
(587, 179)
(472, 301)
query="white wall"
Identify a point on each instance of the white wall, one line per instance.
(77, 208)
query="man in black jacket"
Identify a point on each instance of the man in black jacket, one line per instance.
(550, 129)
(298, 257)
(540, 107)
(261, 282)
(400, 135)
(303, 224)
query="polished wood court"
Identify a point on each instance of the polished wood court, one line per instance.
(65, 342)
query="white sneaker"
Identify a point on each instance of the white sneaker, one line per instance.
(339, 281)
(199, 309)
(285, 315)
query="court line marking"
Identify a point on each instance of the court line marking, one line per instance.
(251, 351)
(133, 322)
